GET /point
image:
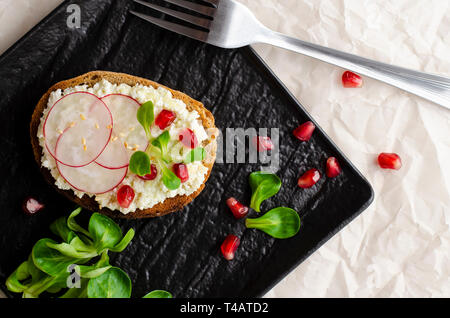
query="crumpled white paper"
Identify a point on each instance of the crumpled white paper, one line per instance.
(400, 246)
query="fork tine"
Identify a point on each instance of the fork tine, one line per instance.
(180, 15)
(193, 6)
(180, 29)
(215, 2)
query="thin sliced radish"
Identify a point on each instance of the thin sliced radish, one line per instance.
(128, 133)
(92, 178)
(115, 155)
(126, 126)
(86, 123)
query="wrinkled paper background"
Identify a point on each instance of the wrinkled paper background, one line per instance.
(400, 246)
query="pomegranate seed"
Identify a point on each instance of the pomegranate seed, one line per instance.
(181, 171)
(351, 80)
(262, 143)
(239, 210)
(31, 206)
(333, 167)
(229, 246)
(125, 196)
(309, 178)
(188, 138)
(304, 131)
(150, 176)
(390, 161)
(165, 119)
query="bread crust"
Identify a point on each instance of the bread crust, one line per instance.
(167, 206)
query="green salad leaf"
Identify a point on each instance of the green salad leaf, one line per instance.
(77, 292)
(280, 223)
(114, 283)
(13, 283)
(140, 163)
(146, 116)
(36, 273)
(170, 179)
(70, 251)
(161, 142)
(158, 294)
(119, 247)
(73, 225)
(49, 260)
(105, 232)
(49, 268)
(92, 271)
(60, 228)
(264, 185)
(46, 283)
(82, 246)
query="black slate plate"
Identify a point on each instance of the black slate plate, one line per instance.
(178, 252)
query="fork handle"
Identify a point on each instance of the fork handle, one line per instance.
(431, 87)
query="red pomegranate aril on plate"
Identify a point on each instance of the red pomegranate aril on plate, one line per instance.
(187, 138)
(333, 168)
(237, 208)
(262, 143)
(351, 80)
(390, 161)
(31, 206)
(304, 131)
(309, 178)
(125, 195)
(150, 176)
(229, 246)
(165, 119)
(181, 171)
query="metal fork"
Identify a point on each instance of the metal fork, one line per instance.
(229, 24)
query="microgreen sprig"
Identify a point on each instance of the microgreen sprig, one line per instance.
(161, 143)
(264, 185)
(146, 116)
(280, 223)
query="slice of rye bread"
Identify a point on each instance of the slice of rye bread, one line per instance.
(167, 206)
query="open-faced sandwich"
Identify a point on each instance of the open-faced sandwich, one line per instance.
(123, 145)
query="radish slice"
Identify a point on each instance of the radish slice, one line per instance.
(92, 178)
(128, 133)
(86, 123)
(115, 155)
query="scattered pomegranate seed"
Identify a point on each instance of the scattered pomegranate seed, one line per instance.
(165, 119)
(390, 161)
(333, 167)
(304, 131)
(31, 206)
(125, 196)
(309, 178)
(239, 210)
(152, 175)
(181, 171)
(351, 80)
(262, 143)
(188, 138)
(229, 246)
